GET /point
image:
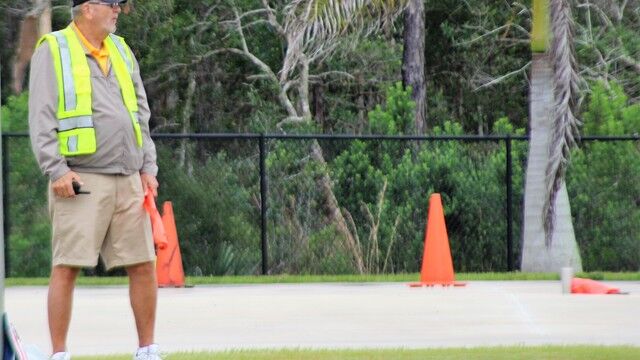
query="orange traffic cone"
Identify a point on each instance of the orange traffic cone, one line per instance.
(588, 286)
(169, 262)
(437, 266)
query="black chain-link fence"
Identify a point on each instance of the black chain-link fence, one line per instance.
(251, 204)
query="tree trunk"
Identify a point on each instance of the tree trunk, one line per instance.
(44, 17)
(36, 23)
(362, 123)
(563, 251)
(413, 60)
(332, 210)
(319, 107)
(185, 144)
(303, 88)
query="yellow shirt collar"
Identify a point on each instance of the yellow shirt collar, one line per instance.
(103, 51)
(101, 55)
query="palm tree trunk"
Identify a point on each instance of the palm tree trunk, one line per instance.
(563, 250)
(413, 60)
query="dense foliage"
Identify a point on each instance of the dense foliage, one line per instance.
(604, 184)
(383, 186)
(477, 58)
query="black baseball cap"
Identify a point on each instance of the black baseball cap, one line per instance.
(78, 2)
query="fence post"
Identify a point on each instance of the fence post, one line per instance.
(263, 207)
(509, 182)
(5, 205)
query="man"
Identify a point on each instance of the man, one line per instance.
(88, 122)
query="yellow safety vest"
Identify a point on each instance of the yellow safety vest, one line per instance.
(76, 133)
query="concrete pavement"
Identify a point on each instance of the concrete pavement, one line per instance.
(371, 315)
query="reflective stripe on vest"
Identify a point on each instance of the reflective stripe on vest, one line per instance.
(121, 49)
(72, 143)
(68, 86)
(75, 122)
(123, 67)
(76, 133)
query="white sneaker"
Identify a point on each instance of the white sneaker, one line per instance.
(151, 352)
(61, 356)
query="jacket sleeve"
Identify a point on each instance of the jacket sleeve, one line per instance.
(149, 165)
(43, 123)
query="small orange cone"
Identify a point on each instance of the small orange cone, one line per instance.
(437, 266)
(169, 261)
(588, 286)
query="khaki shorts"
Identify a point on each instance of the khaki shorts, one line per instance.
(111, 222)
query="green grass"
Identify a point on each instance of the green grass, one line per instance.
(493, 353)
(272, 279)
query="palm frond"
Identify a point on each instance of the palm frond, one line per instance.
(314, 26)
(566, 125)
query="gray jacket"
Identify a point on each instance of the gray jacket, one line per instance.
(117, 151)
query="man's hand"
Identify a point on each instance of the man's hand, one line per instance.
(149, 182)
(63, 187)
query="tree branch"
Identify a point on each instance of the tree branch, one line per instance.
(164, 70)
(331, 73)
(290, 120)
(273, 21)
(503, 77)
(491, 32)
(627, 60)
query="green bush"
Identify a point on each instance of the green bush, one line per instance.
(217, 221)
(386, 186)
(604, 184)
(29, 242)
(300, 238)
